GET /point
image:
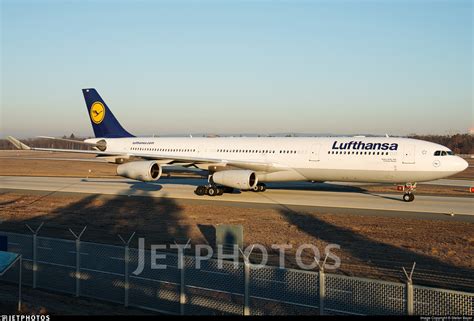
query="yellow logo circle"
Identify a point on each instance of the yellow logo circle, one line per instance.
(97, 112)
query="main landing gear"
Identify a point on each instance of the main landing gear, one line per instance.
(409, 189)
(260, 187)
(212, 190)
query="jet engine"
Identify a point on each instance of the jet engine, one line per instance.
(241, 179)
(145, 171)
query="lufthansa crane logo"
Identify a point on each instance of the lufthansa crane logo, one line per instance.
(97, 112)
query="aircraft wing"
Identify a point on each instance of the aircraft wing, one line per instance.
(166, 159)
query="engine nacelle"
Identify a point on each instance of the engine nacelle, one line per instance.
(145, 171)
(241, 179)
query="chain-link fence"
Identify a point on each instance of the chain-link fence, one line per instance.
(106, 272)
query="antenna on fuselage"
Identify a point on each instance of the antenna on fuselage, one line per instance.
(386, 135)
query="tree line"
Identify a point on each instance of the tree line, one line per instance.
(458, 143)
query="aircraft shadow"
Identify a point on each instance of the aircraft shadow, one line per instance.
(298, 186)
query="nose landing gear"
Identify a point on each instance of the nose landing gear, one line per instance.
(409, 189)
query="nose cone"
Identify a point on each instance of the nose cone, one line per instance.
(459, 164)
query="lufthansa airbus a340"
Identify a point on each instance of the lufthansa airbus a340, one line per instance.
(247, 163)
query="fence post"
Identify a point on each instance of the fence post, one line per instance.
(246, 280)
(182, 283)
(322, 284)
(409, 298)
(322, 291)
(20, 283)
(182, 288)
(35, 247)
(126, 266)
(78, 259)
(246, 287)
(409, 289)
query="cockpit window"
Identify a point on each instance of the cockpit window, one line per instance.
(443, 153)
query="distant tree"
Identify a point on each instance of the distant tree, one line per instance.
(458, 143)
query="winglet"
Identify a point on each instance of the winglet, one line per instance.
(17, 143)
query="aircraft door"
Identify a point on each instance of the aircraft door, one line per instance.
(314, 153)
(409, 154)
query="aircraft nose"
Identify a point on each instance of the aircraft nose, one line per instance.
(460, 164)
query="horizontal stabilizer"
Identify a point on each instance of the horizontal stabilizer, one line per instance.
(100, 144)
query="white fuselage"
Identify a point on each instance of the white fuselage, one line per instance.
(354, 159)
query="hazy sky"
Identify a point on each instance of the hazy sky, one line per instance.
(179, 67)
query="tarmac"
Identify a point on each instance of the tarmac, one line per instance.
(333, 195)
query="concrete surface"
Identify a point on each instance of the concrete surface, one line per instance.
(304, 194)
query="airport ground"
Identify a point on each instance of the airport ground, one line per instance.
(45, 302)
(376, 239)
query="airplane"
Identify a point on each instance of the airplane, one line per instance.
(247, 163)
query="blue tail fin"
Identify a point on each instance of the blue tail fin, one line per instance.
(103, 121)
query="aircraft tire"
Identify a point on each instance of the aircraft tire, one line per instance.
(212, 191)
(408, 197)
(200, 190)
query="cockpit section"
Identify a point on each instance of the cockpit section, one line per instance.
(443, 153)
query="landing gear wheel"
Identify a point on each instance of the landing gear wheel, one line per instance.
(409, 188)
(212, 191)
(259, 188)
(200, 190)
(408, 197)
